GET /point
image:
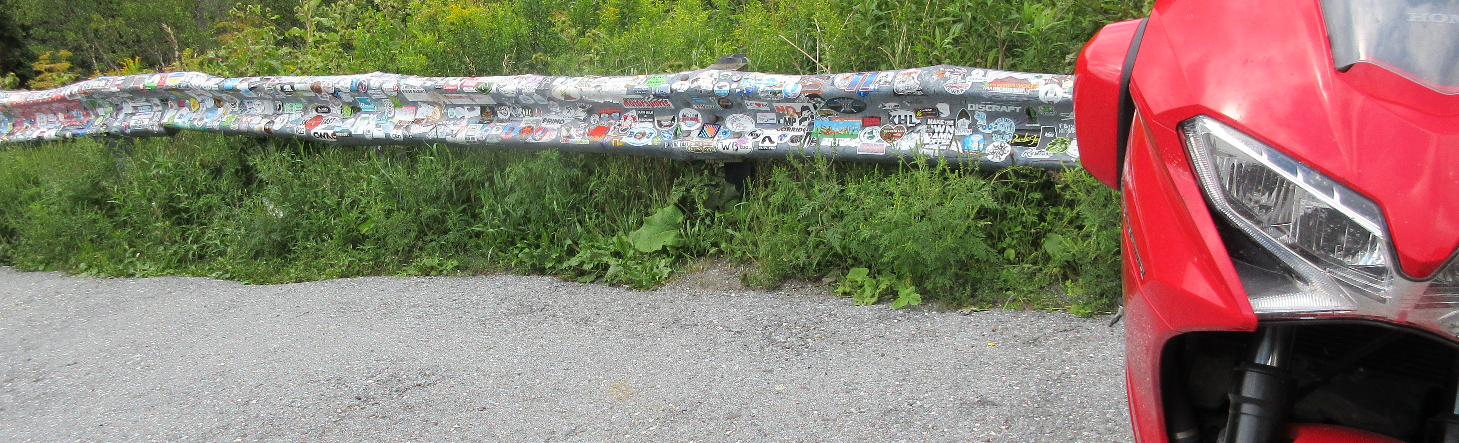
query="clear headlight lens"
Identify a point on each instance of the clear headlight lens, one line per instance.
(1332, 240)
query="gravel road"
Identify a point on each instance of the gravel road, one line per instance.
(505, 358)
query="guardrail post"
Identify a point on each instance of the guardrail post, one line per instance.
(737, 171)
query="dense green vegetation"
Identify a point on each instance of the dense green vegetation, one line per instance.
(271, 211)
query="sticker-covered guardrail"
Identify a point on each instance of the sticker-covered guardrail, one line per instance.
(959, 114)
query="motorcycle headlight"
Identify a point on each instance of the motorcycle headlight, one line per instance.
(1331, 241)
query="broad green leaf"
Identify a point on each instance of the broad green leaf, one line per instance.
(906, 295)
(1054, 245)
(658, 230)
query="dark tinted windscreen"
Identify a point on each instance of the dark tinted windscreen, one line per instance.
(1414, 37)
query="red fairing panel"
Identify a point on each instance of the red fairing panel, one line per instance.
(1318, 433)
(1265, 68)
(1097, 97)
(1177, 275)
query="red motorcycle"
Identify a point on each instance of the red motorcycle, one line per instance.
(1287, 170)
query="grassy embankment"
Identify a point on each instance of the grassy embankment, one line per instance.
(271, 211)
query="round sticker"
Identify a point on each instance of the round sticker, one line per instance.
(792, 89)
(870, 134)
(1050, 93)
(689, 119)
(639, 136)
(739, 123)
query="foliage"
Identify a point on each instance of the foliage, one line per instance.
(52, 72)
(867, 290)
(103, 33)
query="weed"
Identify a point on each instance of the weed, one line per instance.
(867, 290)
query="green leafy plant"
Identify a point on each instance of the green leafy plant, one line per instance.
(866, 290)
(658, 231)
(635, 259)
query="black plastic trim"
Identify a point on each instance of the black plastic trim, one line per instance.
(1126, 108)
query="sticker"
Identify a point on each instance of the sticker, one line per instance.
(837, 128)
(870, 134)
(366, 104)
(973, 143)
(597, 132)
(964, 123)
(758, 106)
(708, 131)
(936, 134)
(640, 136)
(871, 148)
(1010, 85)
(862, 83)
(646, 103)
(1024, 140)
(955, 80)
(991, 107)
(1059, 145)
(739, 123)
(766, 141)
(997, 152)
(892, 133)
(902, 118)
(429, 112)
(1036, 154)
(544, 133)
(794, 89)
(766, 119)
(795, 115)
(846, 105)
(907, 83)
(689, 119)
(1000, 131)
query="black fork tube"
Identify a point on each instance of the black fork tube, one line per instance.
(1259, 400)
(1449, 423)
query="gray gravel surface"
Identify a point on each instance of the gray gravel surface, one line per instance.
(535, 359)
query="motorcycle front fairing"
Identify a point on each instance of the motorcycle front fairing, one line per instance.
(1370, 134)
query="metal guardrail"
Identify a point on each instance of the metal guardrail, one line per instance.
(959, 114)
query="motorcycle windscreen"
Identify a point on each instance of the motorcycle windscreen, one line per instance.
(1418, 39)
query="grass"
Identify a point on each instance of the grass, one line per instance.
(265, 211)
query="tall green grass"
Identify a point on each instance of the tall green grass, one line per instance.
(267, 211)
